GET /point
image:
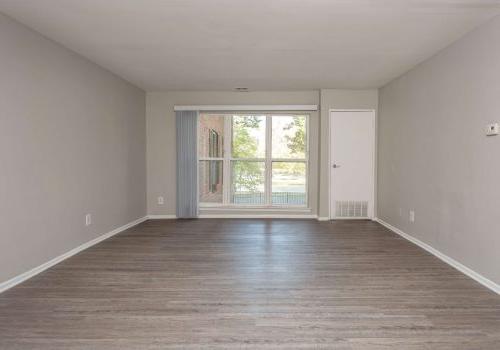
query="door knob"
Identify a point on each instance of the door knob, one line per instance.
(335, 166)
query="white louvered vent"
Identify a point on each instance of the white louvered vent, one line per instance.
(351, 209)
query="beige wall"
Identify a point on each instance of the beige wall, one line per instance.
(337, 99)
(434, 156)
(161, 139)
(72, 141)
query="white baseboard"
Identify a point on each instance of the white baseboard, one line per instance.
(35, 271)
(323, 218)
(258, 216)
(158, 217)
(460, 267)
(450, 261)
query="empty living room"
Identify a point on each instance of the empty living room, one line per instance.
(249, 174)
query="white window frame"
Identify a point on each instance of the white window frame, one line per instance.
(268, 160)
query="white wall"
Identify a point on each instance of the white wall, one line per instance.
(434, 156)
(161, 139)
(72, 141)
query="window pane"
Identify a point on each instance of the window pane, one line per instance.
(249, 136)
(289, 137)
(210, 181)
(248, 182)
(210, 136)
(289, 183)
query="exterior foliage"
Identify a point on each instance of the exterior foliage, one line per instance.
(247, 176)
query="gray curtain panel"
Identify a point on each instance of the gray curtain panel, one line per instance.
(187, 167)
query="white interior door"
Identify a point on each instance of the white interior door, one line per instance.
(352, 164)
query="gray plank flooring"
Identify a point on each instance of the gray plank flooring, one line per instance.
(251, 284)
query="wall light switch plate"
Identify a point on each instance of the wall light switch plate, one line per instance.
(492, 129)
(160, 200)
(412, 216)
(88, 219)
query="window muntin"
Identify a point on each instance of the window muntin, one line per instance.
(262, 160)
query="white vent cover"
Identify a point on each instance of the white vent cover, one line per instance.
(351, 209)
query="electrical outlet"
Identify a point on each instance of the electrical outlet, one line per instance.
(492, 129)
(160, 200)
(412, 216)
(88, 220)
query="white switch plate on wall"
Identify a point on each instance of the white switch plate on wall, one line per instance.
(493, 129)
(412, 216)
(88, 219)
(160, 200)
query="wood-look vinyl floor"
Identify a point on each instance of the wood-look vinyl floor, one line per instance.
(251, 284)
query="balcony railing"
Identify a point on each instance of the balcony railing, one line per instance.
(278, 198)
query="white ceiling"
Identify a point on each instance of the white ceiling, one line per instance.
(259, 44)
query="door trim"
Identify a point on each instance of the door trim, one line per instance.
(330, 160)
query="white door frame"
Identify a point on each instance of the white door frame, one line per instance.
(330, 160)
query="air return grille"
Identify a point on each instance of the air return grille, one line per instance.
(351, 209)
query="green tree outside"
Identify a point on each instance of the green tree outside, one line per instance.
(249, 176)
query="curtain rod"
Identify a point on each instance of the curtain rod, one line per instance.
(246, 108)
